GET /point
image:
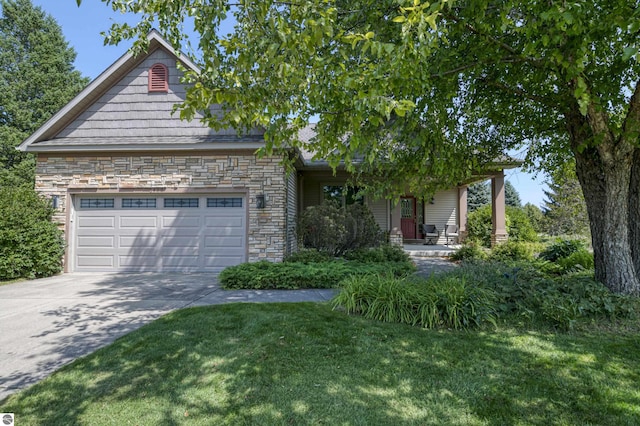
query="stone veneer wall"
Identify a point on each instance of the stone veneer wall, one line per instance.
(170, 174)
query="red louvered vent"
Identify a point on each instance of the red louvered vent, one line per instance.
(158, 78)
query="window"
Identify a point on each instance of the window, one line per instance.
(138, 203)
(224, 202)
(158, 78)
(96, 203)
(181, 202)
(342, 195)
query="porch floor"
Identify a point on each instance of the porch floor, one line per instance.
(415, 249)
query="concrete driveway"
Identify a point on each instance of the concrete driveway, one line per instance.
(47, 323)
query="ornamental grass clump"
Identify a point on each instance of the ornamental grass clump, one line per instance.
(440, 301)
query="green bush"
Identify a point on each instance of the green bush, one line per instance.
(294, 275)
(479, 225)
(561, 249)
(435, 302)
(335, 230)
(383, 253)
(580, 259)
(309, 256)
(31, 246)
(524, 292)
(512, 251)
(518, 225)
(470, 251)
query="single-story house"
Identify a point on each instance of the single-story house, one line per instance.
(137, 189)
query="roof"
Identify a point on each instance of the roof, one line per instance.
(307, 134)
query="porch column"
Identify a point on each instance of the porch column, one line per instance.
(498, 216)
(462, 212)
(395, 233)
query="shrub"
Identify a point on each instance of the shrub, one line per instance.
(435, 302)
(524, 292)
(383, 253)
(512, 251)
(31, 246)
(580, 259)
(479, 225)
(309, 256)
(561, 249)
(294, 275)
(335, 230)
(518, 224)
(470, 251)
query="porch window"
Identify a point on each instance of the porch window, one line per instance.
(342, 195)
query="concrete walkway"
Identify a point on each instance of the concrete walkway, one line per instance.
(47, 323)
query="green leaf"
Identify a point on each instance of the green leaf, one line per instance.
(399, 19)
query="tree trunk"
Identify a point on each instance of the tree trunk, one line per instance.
(634, 211)
(607, 194)
(605, 175)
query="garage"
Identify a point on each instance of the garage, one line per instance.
(151, 233)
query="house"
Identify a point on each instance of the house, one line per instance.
(135, 188)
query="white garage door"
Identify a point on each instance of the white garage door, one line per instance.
(196, 233)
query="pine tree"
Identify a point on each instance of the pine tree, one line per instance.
(478, 195)
(511, 196)
(565, 210)
(37, 78)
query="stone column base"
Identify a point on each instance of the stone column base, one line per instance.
(395, 238)
(463, 236)
(498, 238)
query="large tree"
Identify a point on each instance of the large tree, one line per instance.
(37, 78)
(429, 92)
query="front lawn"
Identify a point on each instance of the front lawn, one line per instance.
(306, 364)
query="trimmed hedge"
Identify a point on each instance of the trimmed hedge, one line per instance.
(296, 275)
(31, 246)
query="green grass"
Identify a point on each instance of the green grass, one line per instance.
(306, 364)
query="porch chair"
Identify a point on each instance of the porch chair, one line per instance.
(451, 231)
(431, 234)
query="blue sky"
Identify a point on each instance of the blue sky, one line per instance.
(82, 27)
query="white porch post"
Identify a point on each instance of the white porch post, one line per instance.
(498, 215)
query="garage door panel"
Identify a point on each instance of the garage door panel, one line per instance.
(214, 242)
(179, 242)
(106, 241)
(225, 221)
(222, 261)
(139, 222)
(181, 222)
(150, 261)
(175, 261)
(145, 241)
(97, 222)
(96, 261)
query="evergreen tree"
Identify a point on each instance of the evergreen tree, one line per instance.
(535, 216)
(478, 195)
(37, 78)
(565, 210)
(511, 196)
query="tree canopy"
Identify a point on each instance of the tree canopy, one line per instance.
(565, 210)
(428, 92)
(37, 78)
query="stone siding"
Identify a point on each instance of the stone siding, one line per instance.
(62, 174)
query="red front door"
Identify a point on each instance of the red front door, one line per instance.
(408, 217)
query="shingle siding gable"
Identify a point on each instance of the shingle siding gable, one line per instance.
(128, 109)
